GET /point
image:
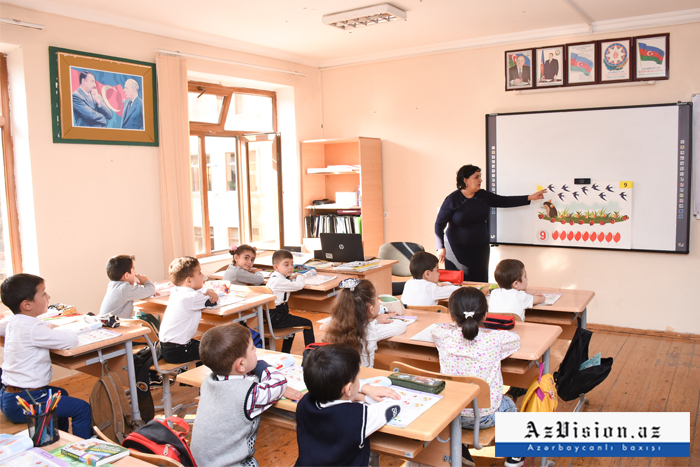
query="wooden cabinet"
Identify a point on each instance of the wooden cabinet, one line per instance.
(365, 152)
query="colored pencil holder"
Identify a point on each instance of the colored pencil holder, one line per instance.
(43, 428)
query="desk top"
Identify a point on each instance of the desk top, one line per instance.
(456, 396)
(252, 300)
(67, 438)
(535, 338)
(571, 300)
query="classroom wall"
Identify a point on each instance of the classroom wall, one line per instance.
(92, 202)
(429, 112)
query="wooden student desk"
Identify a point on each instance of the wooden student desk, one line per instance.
(518, 369)
(215, 316)
(406, 442)
(67, 438)
(571, 305)
(320, 297)
(80, 358)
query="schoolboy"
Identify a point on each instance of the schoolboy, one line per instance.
(26, 369)
(425, 288)
(184, 311)
(237, 391)
(511, 296)
(283, 281)
(331, 429)
(125, 287)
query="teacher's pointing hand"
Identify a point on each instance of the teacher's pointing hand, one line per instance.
(537, 195)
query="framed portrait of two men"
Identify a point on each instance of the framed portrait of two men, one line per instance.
(98, 99)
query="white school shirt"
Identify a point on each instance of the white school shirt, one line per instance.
(27, 342)
(419, 292)
(281, 286)
(182, 315)
(510, 301)
(377, 332)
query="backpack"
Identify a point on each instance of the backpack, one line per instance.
(110, 408)
(571, 380)
(257, 340)
(156, 437)
(143, 359)
(541, 396)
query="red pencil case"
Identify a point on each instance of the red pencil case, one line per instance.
(499, 322)
(456, 277)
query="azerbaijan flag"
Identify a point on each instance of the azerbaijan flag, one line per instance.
(649, 53)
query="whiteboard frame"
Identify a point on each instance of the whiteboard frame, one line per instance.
(685, 126)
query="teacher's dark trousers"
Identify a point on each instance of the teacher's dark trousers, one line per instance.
(472, 259)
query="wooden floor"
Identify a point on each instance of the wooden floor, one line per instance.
(649, 374)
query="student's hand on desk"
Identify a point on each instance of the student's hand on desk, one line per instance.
(294, 276)
(293, 394)
(385, 318)
(378, 393)
(213, 296)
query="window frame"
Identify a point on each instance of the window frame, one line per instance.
(9, 164)
(202, 130)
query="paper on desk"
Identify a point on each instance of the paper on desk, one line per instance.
(97, 335)
(319, 279)
(551, 298)
(228, 299)
(413, 404)
(425, 335)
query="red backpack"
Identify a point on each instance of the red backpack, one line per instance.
(156, 437)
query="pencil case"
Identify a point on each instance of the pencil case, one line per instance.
(456, 277)
(499, 322)
(417, 383)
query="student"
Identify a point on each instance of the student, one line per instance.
(511, 297)
(467, 350)
(184, 311)
(26, 369)
(125, 287)
(356, 321)
(331, 429)
(283, 281)
(237, 391)
(424, 289)
(241, 271)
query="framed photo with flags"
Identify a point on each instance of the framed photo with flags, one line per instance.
(582, 59)
(651, 57)
(550, 69)
(98, 99)
(518, 67)
(616, 61)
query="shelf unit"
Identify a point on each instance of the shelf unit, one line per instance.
(365, 152)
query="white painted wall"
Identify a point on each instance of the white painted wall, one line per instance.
(430, 113)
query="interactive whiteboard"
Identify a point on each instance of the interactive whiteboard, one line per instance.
(594, 162)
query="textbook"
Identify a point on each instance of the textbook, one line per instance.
(425, 335)
(94, 452)
(17, 450)
(551, 298)
(319, 279)
(359, 266)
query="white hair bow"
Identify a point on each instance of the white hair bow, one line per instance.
(469, 314)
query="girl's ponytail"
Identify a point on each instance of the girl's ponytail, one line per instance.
(468, 308)
(349, 317)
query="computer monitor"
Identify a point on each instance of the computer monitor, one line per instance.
(342, 248)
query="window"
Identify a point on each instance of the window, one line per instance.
(10, 256)
(232, 139)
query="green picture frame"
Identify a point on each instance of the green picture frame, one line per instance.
(99, 99)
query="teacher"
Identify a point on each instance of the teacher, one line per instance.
(466, 210)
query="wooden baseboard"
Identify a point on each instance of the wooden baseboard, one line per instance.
(644, 332)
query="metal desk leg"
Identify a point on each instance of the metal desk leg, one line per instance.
(374, 459)
(128, 345)
(584, 318)
(456, 441)
(545, 362)
(261, 324)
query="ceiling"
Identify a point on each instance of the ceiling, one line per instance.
(293, 29)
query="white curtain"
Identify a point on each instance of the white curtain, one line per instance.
(175, 192)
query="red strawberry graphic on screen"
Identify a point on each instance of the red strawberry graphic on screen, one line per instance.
(617, 237)
(601, 236)
(585, 236)
(570, 236)
(609, 237)
(578, 236)
(555, 234)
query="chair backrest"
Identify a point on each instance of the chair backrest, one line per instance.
(401, 251)
(435, 308)
(483, 398)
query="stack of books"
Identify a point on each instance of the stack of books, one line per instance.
(358, 266)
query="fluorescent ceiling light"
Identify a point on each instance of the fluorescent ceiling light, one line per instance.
(16, 22)
(367, 16)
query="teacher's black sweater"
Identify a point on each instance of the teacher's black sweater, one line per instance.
(468, 217)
